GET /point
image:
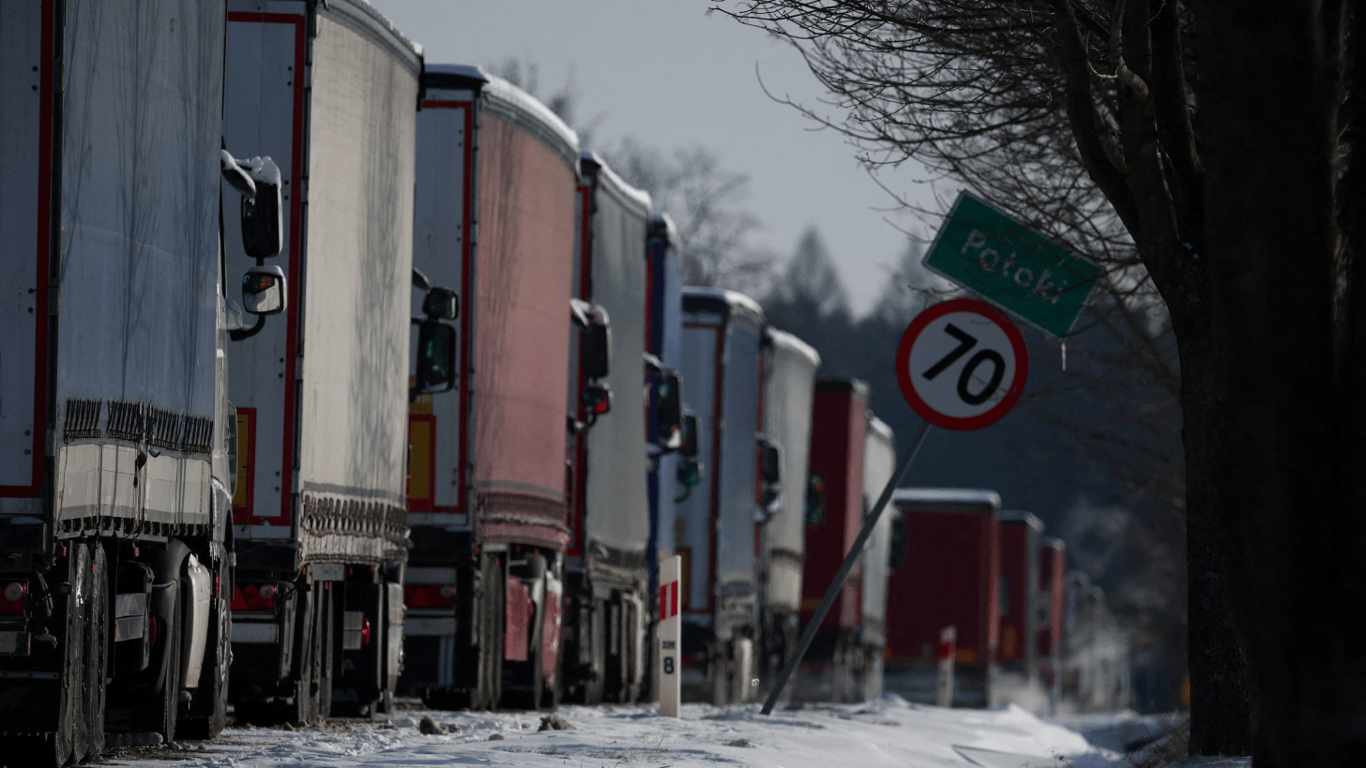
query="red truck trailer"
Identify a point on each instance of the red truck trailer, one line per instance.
(839, 425)
(606, 575)
(948, 575)
(497, 174)
(1018, 680)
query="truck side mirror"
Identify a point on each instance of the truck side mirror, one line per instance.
(435, 358)
(815, 500)
(441, 304)
(262, 226)
(689, 430)
(668, 391)
(770, 458)
(263, 291)
(689, 473)
(596, 351)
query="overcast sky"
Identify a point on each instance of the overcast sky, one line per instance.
(668, 75)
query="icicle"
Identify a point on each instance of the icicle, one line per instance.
(1064, 355)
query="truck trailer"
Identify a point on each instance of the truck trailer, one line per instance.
(879, 464)
(714, 527)
(1018, 680)
(1048, 627)
(487, 503)
(949, 576)
(835, 516)
(116, 432)
(791, 366)
(606, 597)
(329, 91)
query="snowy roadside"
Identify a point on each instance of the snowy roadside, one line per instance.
(889, 732)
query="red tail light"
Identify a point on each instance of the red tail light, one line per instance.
(253, 597)
(365, 632)
(429, 595)
(12, 599)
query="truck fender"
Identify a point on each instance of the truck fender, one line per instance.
(199, 604)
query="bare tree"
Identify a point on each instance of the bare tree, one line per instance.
(707, 204)
(1204, 151)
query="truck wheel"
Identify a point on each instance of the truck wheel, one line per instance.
(91, 707)
(305, 708)
(171, 668)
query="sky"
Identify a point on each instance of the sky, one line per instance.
(887, 732)
(668, 75)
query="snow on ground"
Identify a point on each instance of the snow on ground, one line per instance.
(889, 732)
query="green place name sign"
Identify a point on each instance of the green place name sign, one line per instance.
(1012, 266)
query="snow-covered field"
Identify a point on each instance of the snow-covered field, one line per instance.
(889, 732)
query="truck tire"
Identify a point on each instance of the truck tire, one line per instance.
(207, 714)
(169, 678)
(96, 667)
(304, 708)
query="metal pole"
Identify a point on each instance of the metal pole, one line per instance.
(843, 573)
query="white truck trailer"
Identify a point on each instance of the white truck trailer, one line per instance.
(116, 473)
(330, 92)
(791, 366)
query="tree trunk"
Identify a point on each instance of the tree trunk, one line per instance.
(1268, 90)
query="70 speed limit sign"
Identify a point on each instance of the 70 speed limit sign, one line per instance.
(961, 364)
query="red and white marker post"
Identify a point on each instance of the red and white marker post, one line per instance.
(670, 569)
(943, 684)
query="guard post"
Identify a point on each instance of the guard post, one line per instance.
(670, 568)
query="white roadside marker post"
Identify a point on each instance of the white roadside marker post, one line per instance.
(943, 684)
(670, 569)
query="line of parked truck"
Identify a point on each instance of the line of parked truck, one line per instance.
(439, 441)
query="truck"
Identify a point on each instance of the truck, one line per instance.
(714, 525)
(949, 576)
(835, 516)
(790, 370)
(1048, 624)
(487, 499)
(1018, 681)
(607, 573)
(330, 92)
(879, 464)
(116, 430)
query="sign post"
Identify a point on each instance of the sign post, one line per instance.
(670, 568)
(1012, 266)
(968, 381)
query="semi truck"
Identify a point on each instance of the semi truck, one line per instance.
(949, 576)
(791, 367)
(714, 527)
(606, 597)
(838, 439)
(115, 430)
(1048, 625)
(330, 92)
(496, 184)
(879, 464)
(1018, 682)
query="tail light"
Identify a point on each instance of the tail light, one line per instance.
(365, 632)
(12, 599)
(253, 597)
(429, 595)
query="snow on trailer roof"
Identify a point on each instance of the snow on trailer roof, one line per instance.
(727, 302)
(929, 498)
(791, 343)
(591, 164)
(857, 386)
(1052, 542)
(511, 102)
(1019, 516)
(368, 20)
(661, 225)
(880, 427)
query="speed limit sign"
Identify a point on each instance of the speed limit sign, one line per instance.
(961, 364)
